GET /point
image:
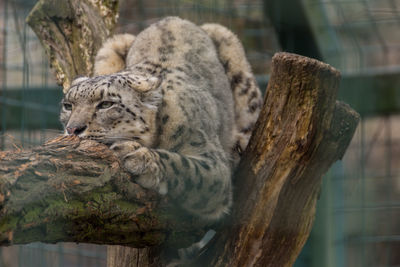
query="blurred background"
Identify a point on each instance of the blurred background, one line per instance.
(358, 218)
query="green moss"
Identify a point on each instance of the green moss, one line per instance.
(32, 215)
(7, 223)
(127, 206)
(70, 209)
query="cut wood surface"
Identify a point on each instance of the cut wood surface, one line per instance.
(75, 190)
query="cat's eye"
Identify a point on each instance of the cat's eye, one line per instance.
(105, 104)
(67, 106)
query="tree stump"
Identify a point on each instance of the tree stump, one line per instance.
(75, 190)
(300, 133)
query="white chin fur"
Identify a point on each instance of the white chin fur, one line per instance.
(163, 188)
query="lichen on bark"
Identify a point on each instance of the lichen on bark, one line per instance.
(71, 32)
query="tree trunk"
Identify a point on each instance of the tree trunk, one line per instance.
(75, 190)
(301, 131)
(119, 256)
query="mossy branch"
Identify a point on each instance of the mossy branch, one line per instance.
(74, 190)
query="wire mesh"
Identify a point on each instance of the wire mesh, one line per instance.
(358, 217)
(360, 203)
(357, 35)
(29, 95)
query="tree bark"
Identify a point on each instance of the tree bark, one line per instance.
(75, 190)
(120, 256)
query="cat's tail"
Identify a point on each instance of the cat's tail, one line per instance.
(111, 56)
(245, 91)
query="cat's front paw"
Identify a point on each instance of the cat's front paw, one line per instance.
(123, 148)
(142, 163)
(139, 161)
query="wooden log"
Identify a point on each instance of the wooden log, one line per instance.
(74, 190)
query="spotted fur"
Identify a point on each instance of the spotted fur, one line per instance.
(178, 111)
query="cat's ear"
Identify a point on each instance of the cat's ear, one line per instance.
(79, 80)
(142, 83)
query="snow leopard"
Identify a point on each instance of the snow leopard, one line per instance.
(177, 103)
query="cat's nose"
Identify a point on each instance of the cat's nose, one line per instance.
(76, 130)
